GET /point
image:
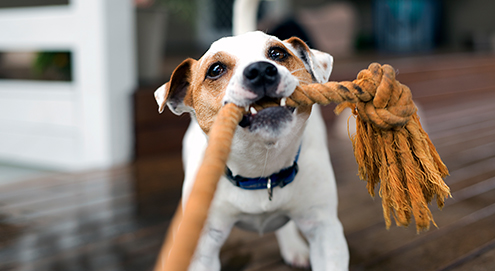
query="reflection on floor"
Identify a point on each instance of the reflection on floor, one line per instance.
(87, 221)
(10, 173)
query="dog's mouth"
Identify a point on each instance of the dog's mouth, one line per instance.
(267, 112)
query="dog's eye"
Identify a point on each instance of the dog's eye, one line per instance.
(216, 70)
(277, 54)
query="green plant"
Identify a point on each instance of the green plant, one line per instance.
(56, 64)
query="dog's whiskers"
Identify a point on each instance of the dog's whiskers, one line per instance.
(304, 81)
(296, 70)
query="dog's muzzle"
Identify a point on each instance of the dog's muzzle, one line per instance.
(262, 78)
(268, 109)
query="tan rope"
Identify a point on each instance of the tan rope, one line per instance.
(169, 241)
(379, 98)
(196, 210)
(390, 147)
(390, 144)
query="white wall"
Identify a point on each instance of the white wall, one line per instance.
(82, 124)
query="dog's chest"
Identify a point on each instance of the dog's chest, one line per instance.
(262, 223)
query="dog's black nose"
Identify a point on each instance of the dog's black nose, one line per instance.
(262, 78)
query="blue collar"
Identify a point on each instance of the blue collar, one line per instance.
(281, 178)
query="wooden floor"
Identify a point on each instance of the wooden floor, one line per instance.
(116, 219)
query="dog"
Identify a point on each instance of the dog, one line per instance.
(278, 175)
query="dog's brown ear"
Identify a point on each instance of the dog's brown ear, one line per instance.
(174, 92)
(317, 63)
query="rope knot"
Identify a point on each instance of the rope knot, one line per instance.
(391, 104)
(379, 98)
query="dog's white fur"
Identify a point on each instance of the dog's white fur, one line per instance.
(310, 201)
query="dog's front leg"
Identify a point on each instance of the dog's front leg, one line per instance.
(215, 232)
(293, 248)
(327, 245)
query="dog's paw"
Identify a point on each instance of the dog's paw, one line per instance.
(296, 253)
(294, 249)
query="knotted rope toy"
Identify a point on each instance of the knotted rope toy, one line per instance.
(390, 146)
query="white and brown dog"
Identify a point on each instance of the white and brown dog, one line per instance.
(278, 177)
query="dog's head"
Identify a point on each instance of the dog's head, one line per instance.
(253, 70)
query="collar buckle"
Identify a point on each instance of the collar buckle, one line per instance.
(281, 178)
(269, 188)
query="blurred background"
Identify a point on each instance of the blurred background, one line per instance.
(90, 173)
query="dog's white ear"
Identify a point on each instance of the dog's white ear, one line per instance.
(322, 65)
(318, 63)
(161, 97)
(174, 93)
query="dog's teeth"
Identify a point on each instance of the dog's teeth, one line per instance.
(253, 111)
(247, 108)
(283, 101)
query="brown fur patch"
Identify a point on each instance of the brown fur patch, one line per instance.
(293, 63)
(207, 94)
